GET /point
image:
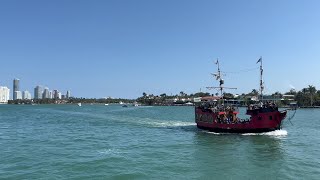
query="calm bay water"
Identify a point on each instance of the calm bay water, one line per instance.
(112, 142)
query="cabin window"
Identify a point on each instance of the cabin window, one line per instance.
(259, 118)
(270, 117)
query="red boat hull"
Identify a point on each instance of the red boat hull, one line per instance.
(259, 122)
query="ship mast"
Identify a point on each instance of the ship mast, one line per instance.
(221, 81)
(218, 76)
(261, 81)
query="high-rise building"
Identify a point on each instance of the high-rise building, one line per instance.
(37, 92)
(55, 94)
(26, 95)
(15, 87)
(46, 93)
(18, 95)
(68, 95)
(4, 95)
(59, 95)
(50, 95)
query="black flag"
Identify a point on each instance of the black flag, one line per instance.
(259, 60)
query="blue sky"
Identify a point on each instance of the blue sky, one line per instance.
(123, 48)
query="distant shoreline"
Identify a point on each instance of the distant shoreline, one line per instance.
(309, 107)
(302, 107)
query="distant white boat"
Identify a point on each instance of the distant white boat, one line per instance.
(189, 103)
(135, 104)
(120, 102)
(79, 104)
(106, 104)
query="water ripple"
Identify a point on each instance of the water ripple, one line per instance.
(111, 142)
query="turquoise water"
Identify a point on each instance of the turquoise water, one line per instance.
(112, 142)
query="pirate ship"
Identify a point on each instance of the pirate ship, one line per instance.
(215, 115)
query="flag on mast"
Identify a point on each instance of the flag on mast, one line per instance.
(216, 62)
(259, 60)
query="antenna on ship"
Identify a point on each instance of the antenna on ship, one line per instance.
(261, 81)
(218, 76)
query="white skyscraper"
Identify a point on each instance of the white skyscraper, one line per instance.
(4, 95)
(59, 95)
(38, 92)
(18, 94)
(26, 95)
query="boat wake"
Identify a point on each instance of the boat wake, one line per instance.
(181, 125)
(110, 153)
(168, 124)
(277, 133)
(281, 132)
(130, 108)
(215, 133)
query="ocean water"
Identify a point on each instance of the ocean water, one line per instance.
(112, 142)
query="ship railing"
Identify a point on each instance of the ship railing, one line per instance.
(216, 107)
(262, 107)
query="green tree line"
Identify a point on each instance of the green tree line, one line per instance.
(308, 96)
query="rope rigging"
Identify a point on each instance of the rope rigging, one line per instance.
(241, 71)
(289, 118)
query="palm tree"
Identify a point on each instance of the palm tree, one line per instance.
(277, 94)
(163, 95)
(304, 90)
(291, 92)
(254, 92)
(312, 90)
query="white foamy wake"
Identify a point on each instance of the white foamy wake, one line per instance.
(215, 133)
(129, 108)
(271, 133)
(110, 153)
(281, 132)
(171, 124)
(156, 122)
